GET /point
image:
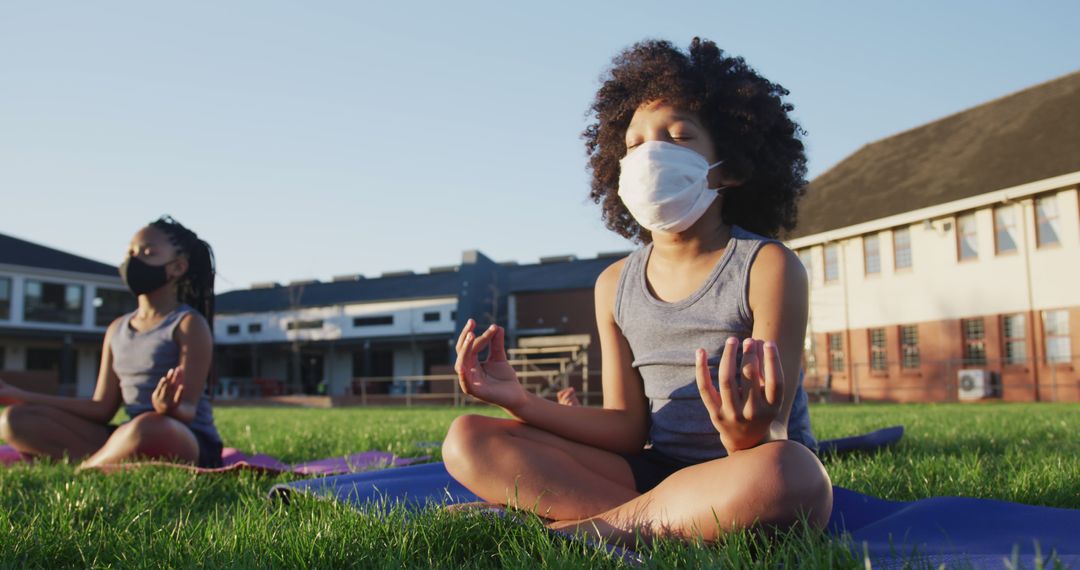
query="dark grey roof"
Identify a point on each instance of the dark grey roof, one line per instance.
(1027, 136)
(553, 276)
(15, 251)
(556, 276)
(340, 292)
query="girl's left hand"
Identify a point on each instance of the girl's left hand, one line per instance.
(743, 414)
(169, 392)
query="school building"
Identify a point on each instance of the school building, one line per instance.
(944, 261)
(54, 309)
(374, 339)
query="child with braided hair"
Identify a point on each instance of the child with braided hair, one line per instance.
(155, 360)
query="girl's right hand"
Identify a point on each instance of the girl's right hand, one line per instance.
(494, 380)
(743, 415)
(10, 394)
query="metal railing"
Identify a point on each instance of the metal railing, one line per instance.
(947, 380)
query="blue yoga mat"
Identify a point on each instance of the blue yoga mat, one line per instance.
(982, 532)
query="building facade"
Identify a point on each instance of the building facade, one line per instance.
(944, 262)
(54, 309)
(376, 335)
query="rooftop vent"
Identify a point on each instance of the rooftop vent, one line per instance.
(265, 285)
(300, 282)
(508, 263)
(611, 254)
(443, 269)
(558, 259)
(352, 277)
(403, 273)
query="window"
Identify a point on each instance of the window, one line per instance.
(967, 240)
(902, 248)
(807, 259)
(254, 328)
(909, 346)
(836, 352)
(304, 325)
(43, 359)
(810, 350)
(432, 317)
(111, 303)
(1015, 339)
(1046, 221)
(879, 360)
(1005, 229)
(832, 262)
(232, 329)
(872, 254)
(373, 321)
(5, 298)
(974, 340)
(1056, 328)
(453, 316)
(46, 302)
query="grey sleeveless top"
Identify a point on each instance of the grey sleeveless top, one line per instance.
(663, 337)
(140, 359)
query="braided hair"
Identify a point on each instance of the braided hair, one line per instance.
(196, 287)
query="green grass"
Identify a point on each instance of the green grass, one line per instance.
(165, 518)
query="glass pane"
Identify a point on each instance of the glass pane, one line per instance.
(805, 258)
(1056, 323)
(5, 298)
(53, 302)
(1057, 349)
(1014, 326)
(871, 251)
(110, 304)
(832, 263)
(969, 248)
(902, 246)
(1005, 226)
(1046, 215)
(1016, 352)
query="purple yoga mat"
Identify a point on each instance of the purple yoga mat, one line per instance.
(234, 459)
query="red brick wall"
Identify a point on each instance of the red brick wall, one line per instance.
(941, 354)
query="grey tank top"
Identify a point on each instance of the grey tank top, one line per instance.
(140, 359)
(663, 337)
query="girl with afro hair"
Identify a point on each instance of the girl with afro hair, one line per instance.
(693, 156)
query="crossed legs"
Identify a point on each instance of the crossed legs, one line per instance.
(44, 431)
(592, 491)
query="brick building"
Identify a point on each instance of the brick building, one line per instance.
(944, 261)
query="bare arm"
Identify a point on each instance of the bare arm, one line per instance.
(620, 426)
(178, 392)
(779, 302)
(101, 408)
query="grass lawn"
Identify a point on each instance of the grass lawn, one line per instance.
(164, 518)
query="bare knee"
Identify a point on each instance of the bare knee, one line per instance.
(790, 485)
(17, 420)
(462, 450)
(151, 433)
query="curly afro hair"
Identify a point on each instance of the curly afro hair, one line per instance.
(743, 112)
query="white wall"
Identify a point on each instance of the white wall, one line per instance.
(938, 286)
(338, 322)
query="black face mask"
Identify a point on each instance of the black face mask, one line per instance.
(141, 277)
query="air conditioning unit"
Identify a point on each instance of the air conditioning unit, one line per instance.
(973, 384)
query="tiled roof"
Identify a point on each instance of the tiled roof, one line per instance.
(15, 251)
(1027, 136)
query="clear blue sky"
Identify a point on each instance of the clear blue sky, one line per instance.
(309, 139)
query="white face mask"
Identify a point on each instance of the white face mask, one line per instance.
(665, 186)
